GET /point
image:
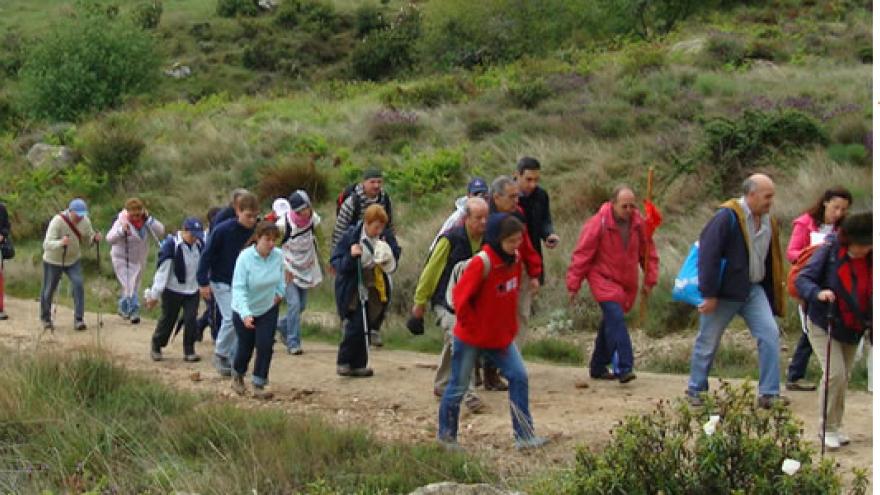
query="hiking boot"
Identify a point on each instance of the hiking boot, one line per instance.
(767, 401)
(156, 355)
(192, 358)
(627, 377)
(222, 365)
(261, 393)
(832, 441)
(533, 442)
(800, 386)
(605, 375)
(135, 319)
(695, 400)
(238, 385)
(295, 351)
(450, 444)
(79, 325)
(474, 404)
(361, 372)
(492, 380)
(3, 315)
(343, 370)
(48, 325)
(375, 338)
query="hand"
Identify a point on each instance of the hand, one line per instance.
(1, 238)
(356, 250)
(709, 305)
(97, 237)
(205, 292)
(572, 299)
(418, 311)
(123, 218)
(249, 322)
(534, 286)
(277, 299)
(331, 270)
(826, 296)
(552, 241)
(288, 277)
(151, 303)
(65, 241)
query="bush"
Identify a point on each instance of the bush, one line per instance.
(12, 53)
(642, 59)
(387, 52)
(314, 16)
(854, 154)
(479, 128)
(85, 65)
(233, 8)
(368, 18)
(387, 126)
(554, 350)
(528, 93)
(724, 49)
(429, 93)
(147, 15)
(426, 172)
(113, 148)
(765, 49)
(850, 129)
(668, 451)
(647, 20)
(265, 52)
(298, 173)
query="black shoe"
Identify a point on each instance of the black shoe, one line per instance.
(79, 326)
(627, 377)
(3, 315)
(156, 355)
(135, 319)
(361, 372)
(48, 325)
(605, 375)
(192, 358)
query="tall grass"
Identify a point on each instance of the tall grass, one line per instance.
(74, 423)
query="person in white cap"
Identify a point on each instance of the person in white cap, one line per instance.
(302, 267)
(66, 233)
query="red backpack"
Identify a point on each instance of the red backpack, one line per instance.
(801, 261)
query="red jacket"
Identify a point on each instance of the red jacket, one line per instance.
(611, 270)
(486, 309)
(530, 256)
(801, 229)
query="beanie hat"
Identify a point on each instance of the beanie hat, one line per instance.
(299, 200)
(372, 173)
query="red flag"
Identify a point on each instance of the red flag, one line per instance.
(653, 218)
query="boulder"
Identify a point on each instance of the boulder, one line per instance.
(47, 155)
(267, 4)
(450, 488)
(179, 71)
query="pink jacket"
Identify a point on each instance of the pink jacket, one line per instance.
(801, 229)
(611, 270)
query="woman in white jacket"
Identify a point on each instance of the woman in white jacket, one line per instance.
(130, 237)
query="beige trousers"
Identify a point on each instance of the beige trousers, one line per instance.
(842, 360)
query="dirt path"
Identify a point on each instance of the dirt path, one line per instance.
(397, 404)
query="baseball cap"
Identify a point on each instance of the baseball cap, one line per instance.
(477, 186)
(79, 207)
(194, 226)
(299, 200)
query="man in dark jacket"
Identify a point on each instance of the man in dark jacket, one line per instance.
(740, 272)
(4, 237)
(535, 204)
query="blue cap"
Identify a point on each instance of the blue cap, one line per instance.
(477, 186)
(79, 207)
(195, 227)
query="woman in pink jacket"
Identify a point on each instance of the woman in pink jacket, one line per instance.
(608, 254)
(821, 219)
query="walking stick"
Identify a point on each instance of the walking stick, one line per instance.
(363, 296)
(55, 305)
(827, 376)
(643, 302)
(100, 299)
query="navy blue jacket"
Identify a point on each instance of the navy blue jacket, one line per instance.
(460, 250)
(346, 267)
(225, 242)
(818, 274)
(723, 238)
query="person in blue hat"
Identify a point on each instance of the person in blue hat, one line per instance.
(176, 285)
(476, 188)
(62, 249)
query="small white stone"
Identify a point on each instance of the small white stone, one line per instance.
(790, 466)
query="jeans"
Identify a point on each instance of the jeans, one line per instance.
(51, 278)
(512, 368)
(260, 338)
(756, 311)
(612, 342)
(797, 369)
(224, 346)
(129, 306)
(172, 303)
(290, 325)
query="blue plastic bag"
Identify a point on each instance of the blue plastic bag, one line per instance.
(686, 287)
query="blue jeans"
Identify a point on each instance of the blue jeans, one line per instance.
(51, 278)
(612, 342)
(290, 325)
(260, 338)
(511, 365)
(227, 341)
(129, 306)
(756, 311)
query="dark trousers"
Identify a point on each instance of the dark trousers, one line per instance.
(797, 369)
(353, 348)
(260, 338)
(210, 318)
(172, 303)
(612, 337)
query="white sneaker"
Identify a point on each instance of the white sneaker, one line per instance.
(842, 438)
(832, 442)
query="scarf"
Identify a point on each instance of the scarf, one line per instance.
(492, 237)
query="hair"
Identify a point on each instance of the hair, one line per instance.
(857, 228)
(264, 228)
(236, 194)
(374, 213)
(527, 163)
(509, 226)
(500, 184)
(247, 202)
(471, 202)
(212, 212)
(817, 211)
(619, 189)
(134, 204)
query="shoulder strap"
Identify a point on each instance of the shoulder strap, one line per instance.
(487, 263)
(72, 226)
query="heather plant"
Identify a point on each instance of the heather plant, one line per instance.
(392, 125)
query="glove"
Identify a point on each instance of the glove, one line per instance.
(416, 326)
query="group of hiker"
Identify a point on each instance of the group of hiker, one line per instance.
(482, 271)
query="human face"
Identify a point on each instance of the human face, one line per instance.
(506, 203)
(135, 214)
(761, 199)
(265, 243)
(475, 222)
(304, 213)
(247, 218)
(187, 236)
(625, 204)
(511, 243)
(374, 229)
(835, 210)
(858, 251)
(528, 181)
(372, 187)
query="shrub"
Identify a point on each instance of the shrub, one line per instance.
(642, 59)
(647, 20)
(87, 64)
(368, 18)
(387, 52)
(553, 350)
(233, 8)
(850, 129)
(854, 154)
(426, 172)
(113, 148)
(528, 93)
(314, 16)
(297, 173)
(767, 49)
(12, 53)
(669, 451)
(481, 127)
(147, 15)
(429, 93)
(265, 52)
(724, 49)
(387, 126)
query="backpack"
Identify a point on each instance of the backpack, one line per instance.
(803, 258)
(343, 195)
(356, 205)
(458, 269)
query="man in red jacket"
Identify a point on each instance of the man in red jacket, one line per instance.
(608, 254)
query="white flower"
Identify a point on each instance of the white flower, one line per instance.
(790, 466)
(709, 427)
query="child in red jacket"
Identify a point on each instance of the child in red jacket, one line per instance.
(485, 300)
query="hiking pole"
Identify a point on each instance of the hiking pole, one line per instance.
(55, 306)
(98, 261)
(364, 297)
(827, 376)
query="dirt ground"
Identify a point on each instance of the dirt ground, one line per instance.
(397, 403)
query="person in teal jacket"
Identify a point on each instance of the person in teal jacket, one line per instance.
(257, 288)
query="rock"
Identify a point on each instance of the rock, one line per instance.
(179, 71)
(46, 155)
(450, 488)
(690, 47)
(268, 4)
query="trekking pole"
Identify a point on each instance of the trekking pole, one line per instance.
(363, 296)
(127, 290)
(98, 261)
(55, 306)
(827, 376)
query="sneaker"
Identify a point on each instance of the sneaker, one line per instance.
(627, 377)
(533, 442)
(450, 444)
(767, 401)
(261, 393)
(375, 338)
(192, 358)
(238, 385)
(695, 400)
(222, 365)
(3, 315)
(135, 319)
(79, 326)
(473, 404)
(843, 438)
(832, 441)
(361, 372)
(605, 375)
(294, 351)
(800, 386)
(156, 355)
(123, 315)
(343, 370)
